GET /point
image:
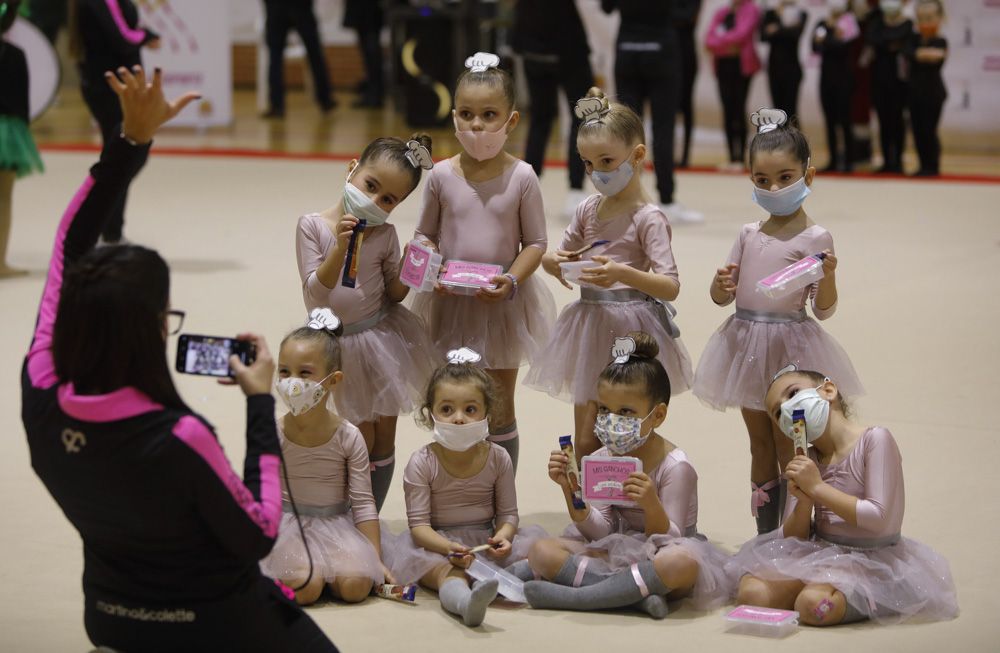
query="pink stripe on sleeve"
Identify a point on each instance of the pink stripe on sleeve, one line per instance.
(265, 513)
(131, 35)
(41, 367)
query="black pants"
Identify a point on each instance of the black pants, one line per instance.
(689, 71)
(653, 75)
(733, 88)
(103, 105)
(260, 619)
(889, 98)
(925, 114)
(544, 79)
(784, 86)
(283, 16)
(835, 98)
(371, 53)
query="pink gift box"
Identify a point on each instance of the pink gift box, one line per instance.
(603, 477)
(766, 622)
(467, 277)
(420, 267)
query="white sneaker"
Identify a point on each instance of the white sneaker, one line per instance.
(679, 214)
(573, 199)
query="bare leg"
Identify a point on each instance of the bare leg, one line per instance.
(503, 428)
(821, 605)
(384, 437)
(368, 433)
(677, 570)
(783, 447)
(763, 457)
(7, 178)
(351, 590)
(584, 416)
(779, 594)
(308, 594)
(436, 577)
(548, 556)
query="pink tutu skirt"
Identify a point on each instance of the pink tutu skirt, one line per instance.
(580, 348)
(338, 548)
(506, 334)
(714, 586)
(409, 562)
(386, 368)
(890, 584)
(741, 358)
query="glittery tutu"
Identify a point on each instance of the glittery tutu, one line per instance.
(893, 583)
(580, 349)
(741, 358)
(338, 550)
(386, 368)
(714, 586)
(17, 147)
(409, 562)
(506, 334)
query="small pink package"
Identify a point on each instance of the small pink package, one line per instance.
(603, 477)
(766, 622)
(466, 277)
(796, 276)
(420, 267)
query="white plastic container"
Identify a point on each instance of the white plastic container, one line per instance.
(762, 622)
(796, 276)
(571, 271)
(420, 267)
(511, 586)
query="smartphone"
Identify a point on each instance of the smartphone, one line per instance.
(209, 355)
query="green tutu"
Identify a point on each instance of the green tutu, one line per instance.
(17, 147)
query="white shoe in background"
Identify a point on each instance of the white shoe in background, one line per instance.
(574, 196)
(679, 214)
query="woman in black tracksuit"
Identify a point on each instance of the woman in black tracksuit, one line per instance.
(782, 28)
(106, 35)
(888, 34)
(171, 534)
(926, 54)
(832, 39)
(685, 21)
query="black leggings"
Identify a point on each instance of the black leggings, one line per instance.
(733, 88)
(259, 619)
(103, 105)
(835, 98)
(544, 80)
(282, 17)
(689, 70)
(925, 114)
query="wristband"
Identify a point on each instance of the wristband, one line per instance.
(513, 280)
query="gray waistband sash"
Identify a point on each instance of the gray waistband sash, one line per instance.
(488, 526)
(341, 508)
(664, 310)
(367, 323)
(773, 318)
(861, 543)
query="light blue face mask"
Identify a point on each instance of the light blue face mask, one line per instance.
(612, 182)
(361, 206)
(786, 201)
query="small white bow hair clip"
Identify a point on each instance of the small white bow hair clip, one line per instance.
(766, 120)
(592, 109)
(791, 367)
(622, 349)
(482, 61)
(463, 355)
(323, 319)
(418, 155)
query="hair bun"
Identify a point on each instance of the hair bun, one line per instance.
(645, 345)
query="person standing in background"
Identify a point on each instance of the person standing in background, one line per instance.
(365, 17)
(782, 28)
(832, 39)
(647, 67)
(281, 16)
(888, 34)
(926, 54)
(685, 20)
(106, 35)
(551, 40)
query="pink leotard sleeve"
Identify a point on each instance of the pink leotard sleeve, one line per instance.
(881, 509)
(574, 237)
(822, 242)
(391, 257)
(417, 480)
(506, 492)
(533, 231)
(359, 483)
(654, 237)
(429, 222)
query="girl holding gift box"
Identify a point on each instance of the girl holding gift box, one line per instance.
(640, 555)
(459, 494)
(385, 350)
(330, 535)
(485, 206)
(767, 333)
(630, 275)
(839, 556)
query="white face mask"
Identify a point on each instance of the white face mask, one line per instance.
(619, 433)
(301, 395)
(612, 182)
(786, 201)
(460, 437)
(361, 206)
(891, 7)
(816, 408)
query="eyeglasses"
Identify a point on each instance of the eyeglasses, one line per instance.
(175, 320)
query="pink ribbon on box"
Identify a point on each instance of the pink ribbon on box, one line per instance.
(759, 496)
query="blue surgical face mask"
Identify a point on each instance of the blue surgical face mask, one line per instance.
(612, 182)
(786, 201)
(361, 206)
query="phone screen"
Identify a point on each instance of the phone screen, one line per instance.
(206, 355)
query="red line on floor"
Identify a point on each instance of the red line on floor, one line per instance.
(248, 153)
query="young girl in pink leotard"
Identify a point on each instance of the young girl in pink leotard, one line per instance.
(386, 356)
(459, 494)
(840, 557)
(485, 206)
(766, 334)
